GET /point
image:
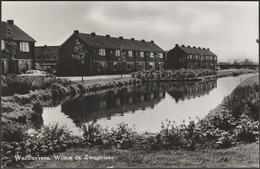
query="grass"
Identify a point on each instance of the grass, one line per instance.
(232, 72)
(246, 155)
(251, 80)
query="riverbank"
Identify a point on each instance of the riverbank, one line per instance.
(188, 75)
(234, 72)
(26, 109)
(188, 139)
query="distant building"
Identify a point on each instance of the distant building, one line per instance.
(46, 56)
(24, 54)
(190, 58)
(105, 53)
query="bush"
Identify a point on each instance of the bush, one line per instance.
(121, 137)
(13, 132)
(44, 142)
(168, 75)
(12, 84)
(244, 99)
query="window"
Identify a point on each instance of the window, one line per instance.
(24, 46)
(151, 55)
(197, 56)
(115, 65)
(160, 55)
(53, 57)
(102, 52)
(141, 54)
(130, 53)
(117, 53)
(150, 65)
(2, 44)
(128, 66)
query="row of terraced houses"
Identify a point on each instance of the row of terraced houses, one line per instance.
(103, 54)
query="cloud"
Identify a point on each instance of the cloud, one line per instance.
(228, 28)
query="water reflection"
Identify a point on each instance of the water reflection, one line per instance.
(117, 102)
(182, 91)
(130, 99)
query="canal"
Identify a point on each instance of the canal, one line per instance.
(143, 107)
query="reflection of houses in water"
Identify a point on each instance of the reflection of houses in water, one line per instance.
(190, 90)
(98, 106)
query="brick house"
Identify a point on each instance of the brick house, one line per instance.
(46, 56)
(190, 58)
(104, 54)
(24, 57)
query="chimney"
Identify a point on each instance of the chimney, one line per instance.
(121, 37)
(183, 45)
(152, 41)
(10, 22)
(188, 46)
(76, 32)
(108, 36)
(207, 48)
(198, 47)
(93, 34)
(203, 48)
(176, 45)
(194, 47)
(143, 40)
(133, 39)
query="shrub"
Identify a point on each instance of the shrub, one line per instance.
(244, 99)
(13, 132)
(167, 75)
(121, 137)
(44, 142)
(12, 84)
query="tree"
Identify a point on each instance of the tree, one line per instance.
(122, 59)
(10, 48)
(156, 60)
(235, 62)
(79, 54)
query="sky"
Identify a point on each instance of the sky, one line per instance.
(229, 29)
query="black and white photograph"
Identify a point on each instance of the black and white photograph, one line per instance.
(130, 84)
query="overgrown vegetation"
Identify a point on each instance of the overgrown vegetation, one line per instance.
(235, 123)
(172, 75)
(13, 84)
(44, 142)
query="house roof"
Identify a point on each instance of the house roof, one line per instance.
(196, 50)
(46, 50)
(18, 33)
(99, 41)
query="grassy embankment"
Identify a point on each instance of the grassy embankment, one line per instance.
(232, 125)
(186, 74)
(24, 97)
(234, 72)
